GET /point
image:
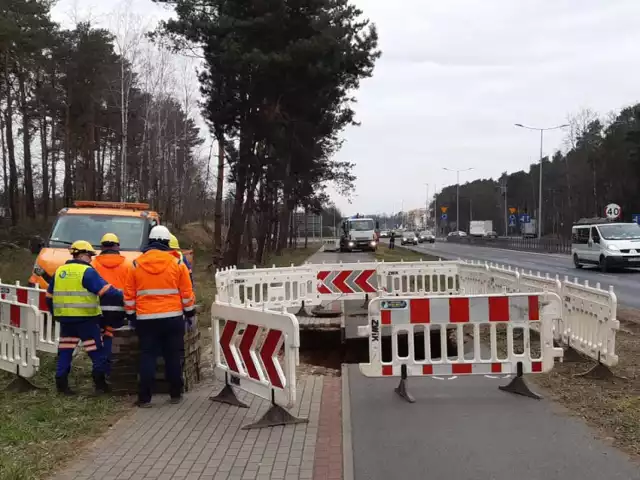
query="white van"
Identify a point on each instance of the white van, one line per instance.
(606, 245)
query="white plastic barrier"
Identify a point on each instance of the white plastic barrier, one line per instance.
(504, 279)
(18, 343)
(48, 330)
(589, 321)
(246, 346)
(406, 278)
(474, 277)
(405, 315)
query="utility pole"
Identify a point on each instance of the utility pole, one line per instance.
(426, 210)
(541, 130)
(457, 193)
(503, 191)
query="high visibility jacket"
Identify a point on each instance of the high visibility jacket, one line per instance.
(74, 291)
(158, 286)
(180, 256)
(113, 268)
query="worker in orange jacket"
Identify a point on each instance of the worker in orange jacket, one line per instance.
(158, 298)
(113, 268)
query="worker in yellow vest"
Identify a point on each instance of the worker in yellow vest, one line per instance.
(174, 245)
(73, 298)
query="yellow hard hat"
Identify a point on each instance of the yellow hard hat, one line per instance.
(173, 242)
(110, 238)
(81, 246)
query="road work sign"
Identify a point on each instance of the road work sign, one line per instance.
(512, 210)
(444, 209)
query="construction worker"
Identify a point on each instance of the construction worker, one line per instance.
(175, 247)
(73, 298)
(158, 297)
(113, 268)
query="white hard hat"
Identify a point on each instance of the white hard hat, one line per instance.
(160, 232)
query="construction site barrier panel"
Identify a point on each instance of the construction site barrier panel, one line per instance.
(408, 278)
(48, 329)
(18, 343)
(410, 315)
(256, 351)
(589, 321)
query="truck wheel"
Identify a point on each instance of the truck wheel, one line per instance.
(576, 261)
(603, 264)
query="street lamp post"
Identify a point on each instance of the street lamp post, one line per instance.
(541, 130)
(457, 192)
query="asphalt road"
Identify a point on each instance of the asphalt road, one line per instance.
(467, 429)
(626, 283)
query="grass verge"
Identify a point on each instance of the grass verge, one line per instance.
(16, 264)
(384, 253)
(612, 406)
(41, 430)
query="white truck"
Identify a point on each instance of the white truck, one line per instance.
(529, 229)
(480, 228)
(358, 233)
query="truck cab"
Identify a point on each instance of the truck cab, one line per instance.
(358, 233)
(89, 220)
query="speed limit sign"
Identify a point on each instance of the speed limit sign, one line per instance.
(612, 211)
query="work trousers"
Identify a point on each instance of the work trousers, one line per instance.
(107, 324)
(87, 331)
(160, 337)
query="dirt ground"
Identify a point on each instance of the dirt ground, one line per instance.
(612, 406)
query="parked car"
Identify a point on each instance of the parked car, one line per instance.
(384, 234)
(491, 235)
(426, 237)
(409, 238)
(458, 233)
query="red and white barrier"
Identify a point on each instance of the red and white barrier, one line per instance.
(48, 329)
(257, 351)
(18, 343)
(409, 315)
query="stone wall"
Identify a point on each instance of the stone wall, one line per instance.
(126, 361)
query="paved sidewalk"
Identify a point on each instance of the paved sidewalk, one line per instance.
(203, 440)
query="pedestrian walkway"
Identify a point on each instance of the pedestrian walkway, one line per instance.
(203, 440)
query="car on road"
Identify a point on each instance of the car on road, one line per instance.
(384, 234)
(606, 245)
(426, 237)
(491, 235)
(409, 238)
(458, 233)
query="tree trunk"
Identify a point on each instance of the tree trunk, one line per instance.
(68, 181)
(217, 216)
(45, 166)
(5, 165)
(306, 228)
(13, 171)
(26, 154)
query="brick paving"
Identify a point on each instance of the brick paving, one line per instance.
(203, 440)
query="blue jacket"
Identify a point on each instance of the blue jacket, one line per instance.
(94, 283)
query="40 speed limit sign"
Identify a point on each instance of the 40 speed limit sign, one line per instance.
(612, 211)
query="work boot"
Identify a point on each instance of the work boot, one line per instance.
(62, 386)
(175, 400)
(100, 382)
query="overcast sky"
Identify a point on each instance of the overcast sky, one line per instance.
(455, 76)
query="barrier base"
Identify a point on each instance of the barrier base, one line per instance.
(228, 396)
(402, 389)
(519, 387)
(275, 416)
(302, 312)
(21, 385)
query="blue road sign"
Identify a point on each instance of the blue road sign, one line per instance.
(512, 220)
(525, 218)
(443, 216)
(636, 217)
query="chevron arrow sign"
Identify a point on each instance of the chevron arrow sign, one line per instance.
(347, 281)
(257, 352)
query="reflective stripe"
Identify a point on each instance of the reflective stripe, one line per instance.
(67, 346)
(130, 303)
(89, 342)
(71, 294)
(188, 309)
(69, 339)
(108, 308)
(104, 289)
(74, 305)
(130, 312)
(151, 316)
(187, 300)
(158, 291)
(90, 348)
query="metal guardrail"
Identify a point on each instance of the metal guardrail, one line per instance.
(547, 245)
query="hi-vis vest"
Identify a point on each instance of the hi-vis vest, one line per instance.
(70, 298)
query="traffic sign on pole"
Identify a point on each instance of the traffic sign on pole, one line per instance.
(512, 220)
(512, 210)
(636, 218)
(443, 216)
(612, 211)
(444, 209)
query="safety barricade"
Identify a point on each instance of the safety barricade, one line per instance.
(48, 329)
(404, 314)
(406, 278)
(18, 343)
(257, 350)
(474, 277)
(589, 322)
(503, 279)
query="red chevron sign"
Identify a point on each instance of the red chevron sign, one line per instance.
(346, 281)
(259, 360)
